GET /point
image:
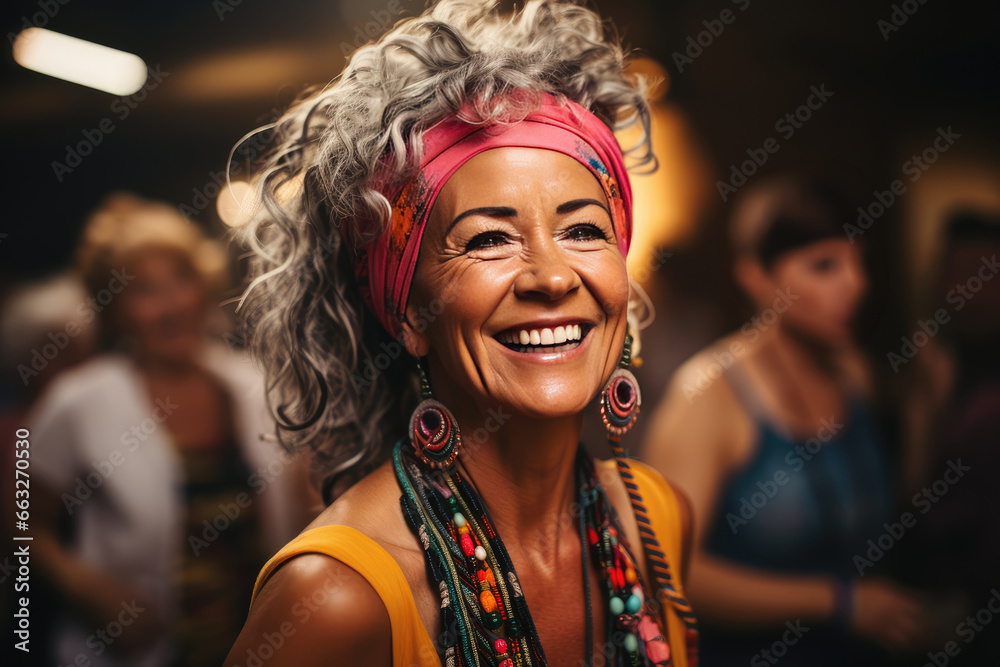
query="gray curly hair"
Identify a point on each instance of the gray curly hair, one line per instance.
(336, 383)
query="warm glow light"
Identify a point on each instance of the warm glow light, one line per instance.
(79, 61)
(235, 203)
(668, 202)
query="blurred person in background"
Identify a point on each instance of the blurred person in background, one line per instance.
(953, 405)
(156, 501)
(45, 328)
(769, 433)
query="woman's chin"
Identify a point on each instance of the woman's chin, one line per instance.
(570, 404)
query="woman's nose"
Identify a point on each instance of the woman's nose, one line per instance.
(547, 272)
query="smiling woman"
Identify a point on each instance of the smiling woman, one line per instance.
(456, 207)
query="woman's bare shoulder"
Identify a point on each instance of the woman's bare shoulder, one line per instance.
(371, 506)
(318, 608)
(700, 403)
(313, 610)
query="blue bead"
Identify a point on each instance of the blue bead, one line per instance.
(634, 604)
(631, 643)
(616, 605)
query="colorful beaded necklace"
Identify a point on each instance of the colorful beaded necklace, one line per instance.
(485, 618)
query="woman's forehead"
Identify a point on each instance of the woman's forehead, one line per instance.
(501, 176)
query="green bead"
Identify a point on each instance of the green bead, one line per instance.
(459, 520)
(493, 620)
(614, 540)
(616, 605)
(634, 604)
(631, 643)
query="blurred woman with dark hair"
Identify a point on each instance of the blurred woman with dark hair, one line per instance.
(769, 433)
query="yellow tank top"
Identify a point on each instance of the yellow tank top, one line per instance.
(411, 645)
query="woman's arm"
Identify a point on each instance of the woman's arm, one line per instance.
(95, 594)
(315, 610)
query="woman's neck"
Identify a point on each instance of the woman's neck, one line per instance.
(524, 470)
(807, 357)
(158, 366)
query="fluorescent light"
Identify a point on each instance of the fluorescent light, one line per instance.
(79, 61)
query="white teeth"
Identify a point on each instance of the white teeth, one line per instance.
(554, 336)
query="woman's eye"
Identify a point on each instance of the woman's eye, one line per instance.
(823, 265)
(586, 232)
(486, 240)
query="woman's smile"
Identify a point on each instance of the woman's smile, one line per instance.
(545, 343)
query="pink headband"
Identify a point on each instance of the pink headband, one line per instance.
(386, 264)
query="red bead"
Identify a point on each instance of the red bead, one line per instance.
(467, 547)
(500, 645)
(507, 663)
(481, 575)
(591, 535)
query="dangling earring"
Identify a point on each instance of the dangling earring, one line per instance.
(434, 432)
(621, 398)
(620, 402)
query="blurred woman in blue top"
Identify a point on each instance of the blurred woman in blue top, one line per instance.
(769, 432)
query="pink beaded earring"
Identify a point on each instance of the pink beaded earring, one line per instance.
(434, 432)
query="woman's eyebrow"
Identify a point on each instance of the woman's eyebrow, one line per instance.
(490, 211)
(508, 212)
(570, 206)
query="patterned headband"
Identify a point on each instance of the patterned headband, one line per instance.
(386, 264)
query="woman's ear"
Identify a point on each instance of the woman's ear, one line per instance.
(413, 332)
(753, 279)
